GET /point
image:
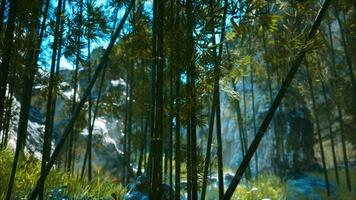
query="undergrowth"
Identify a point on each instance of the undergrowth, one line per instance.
(58, 184)
(266, 186)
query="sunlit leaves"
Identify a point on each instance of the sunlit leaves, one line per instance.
(95, 23)
(238, 70)
(241, 28)
(231, 93)
(258, 3)
(269, 22)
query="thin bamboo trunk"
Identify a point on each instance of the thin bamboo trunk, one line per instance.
(294, 68)
(7, 119)
(189, 164)
(156, 156)
(347, 53)
(242, 131)
(253, 114)
(218, 112)
(331, 134)
(177, 136)
(244, 124)
(192, 141)
(73, 135)
(124, 175)
(80, 104)
(6, 55)
(171, 118)
(129, 128)
(269, 82)
(208, 148)
(52, 93)
(334, 85)
(318, 131)
(2, 11)
(91, 125)
(88, 152)
(21, 135)
(144, 127)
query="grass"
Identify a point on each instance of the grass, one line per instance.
(266, 186)
(269, 186)
(96, 189)
(28, 171)
(342, 192)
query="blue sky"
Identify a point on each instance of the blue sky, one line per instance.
(64, 63)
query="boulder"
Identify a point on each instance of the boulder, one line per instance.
(139, 190)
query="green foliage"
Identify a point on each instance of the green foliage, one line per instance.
(265, 186)
(28, 172)
(232, 94)
(269, 22)
(238, 72)
(96, 189)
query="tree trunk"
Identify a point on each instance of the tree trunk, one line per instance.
(6, 56)
(8, 116)
(25, 102)
(142, 148)
(344, 151)
(253, 114)
(71, 149)
(208, 147)
(171, 114)
(88, 153)
(213, 110)
(51, 97)
(124, 175)
(244, 124)
(269, 82)
(242, 131)
(331, 134)
(90, 124)
(79, 106)
(129, 132)
(156, 187)
(318, 131)
(347, 54)
(295, 65)
(192, 100)
(31, 62)
(189, 162)
(334, 84)
(218, 113)
(239, 120)
(2, 12)
(177, 136)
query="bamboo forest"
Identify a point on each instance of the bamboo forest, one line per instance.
(178, 99)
